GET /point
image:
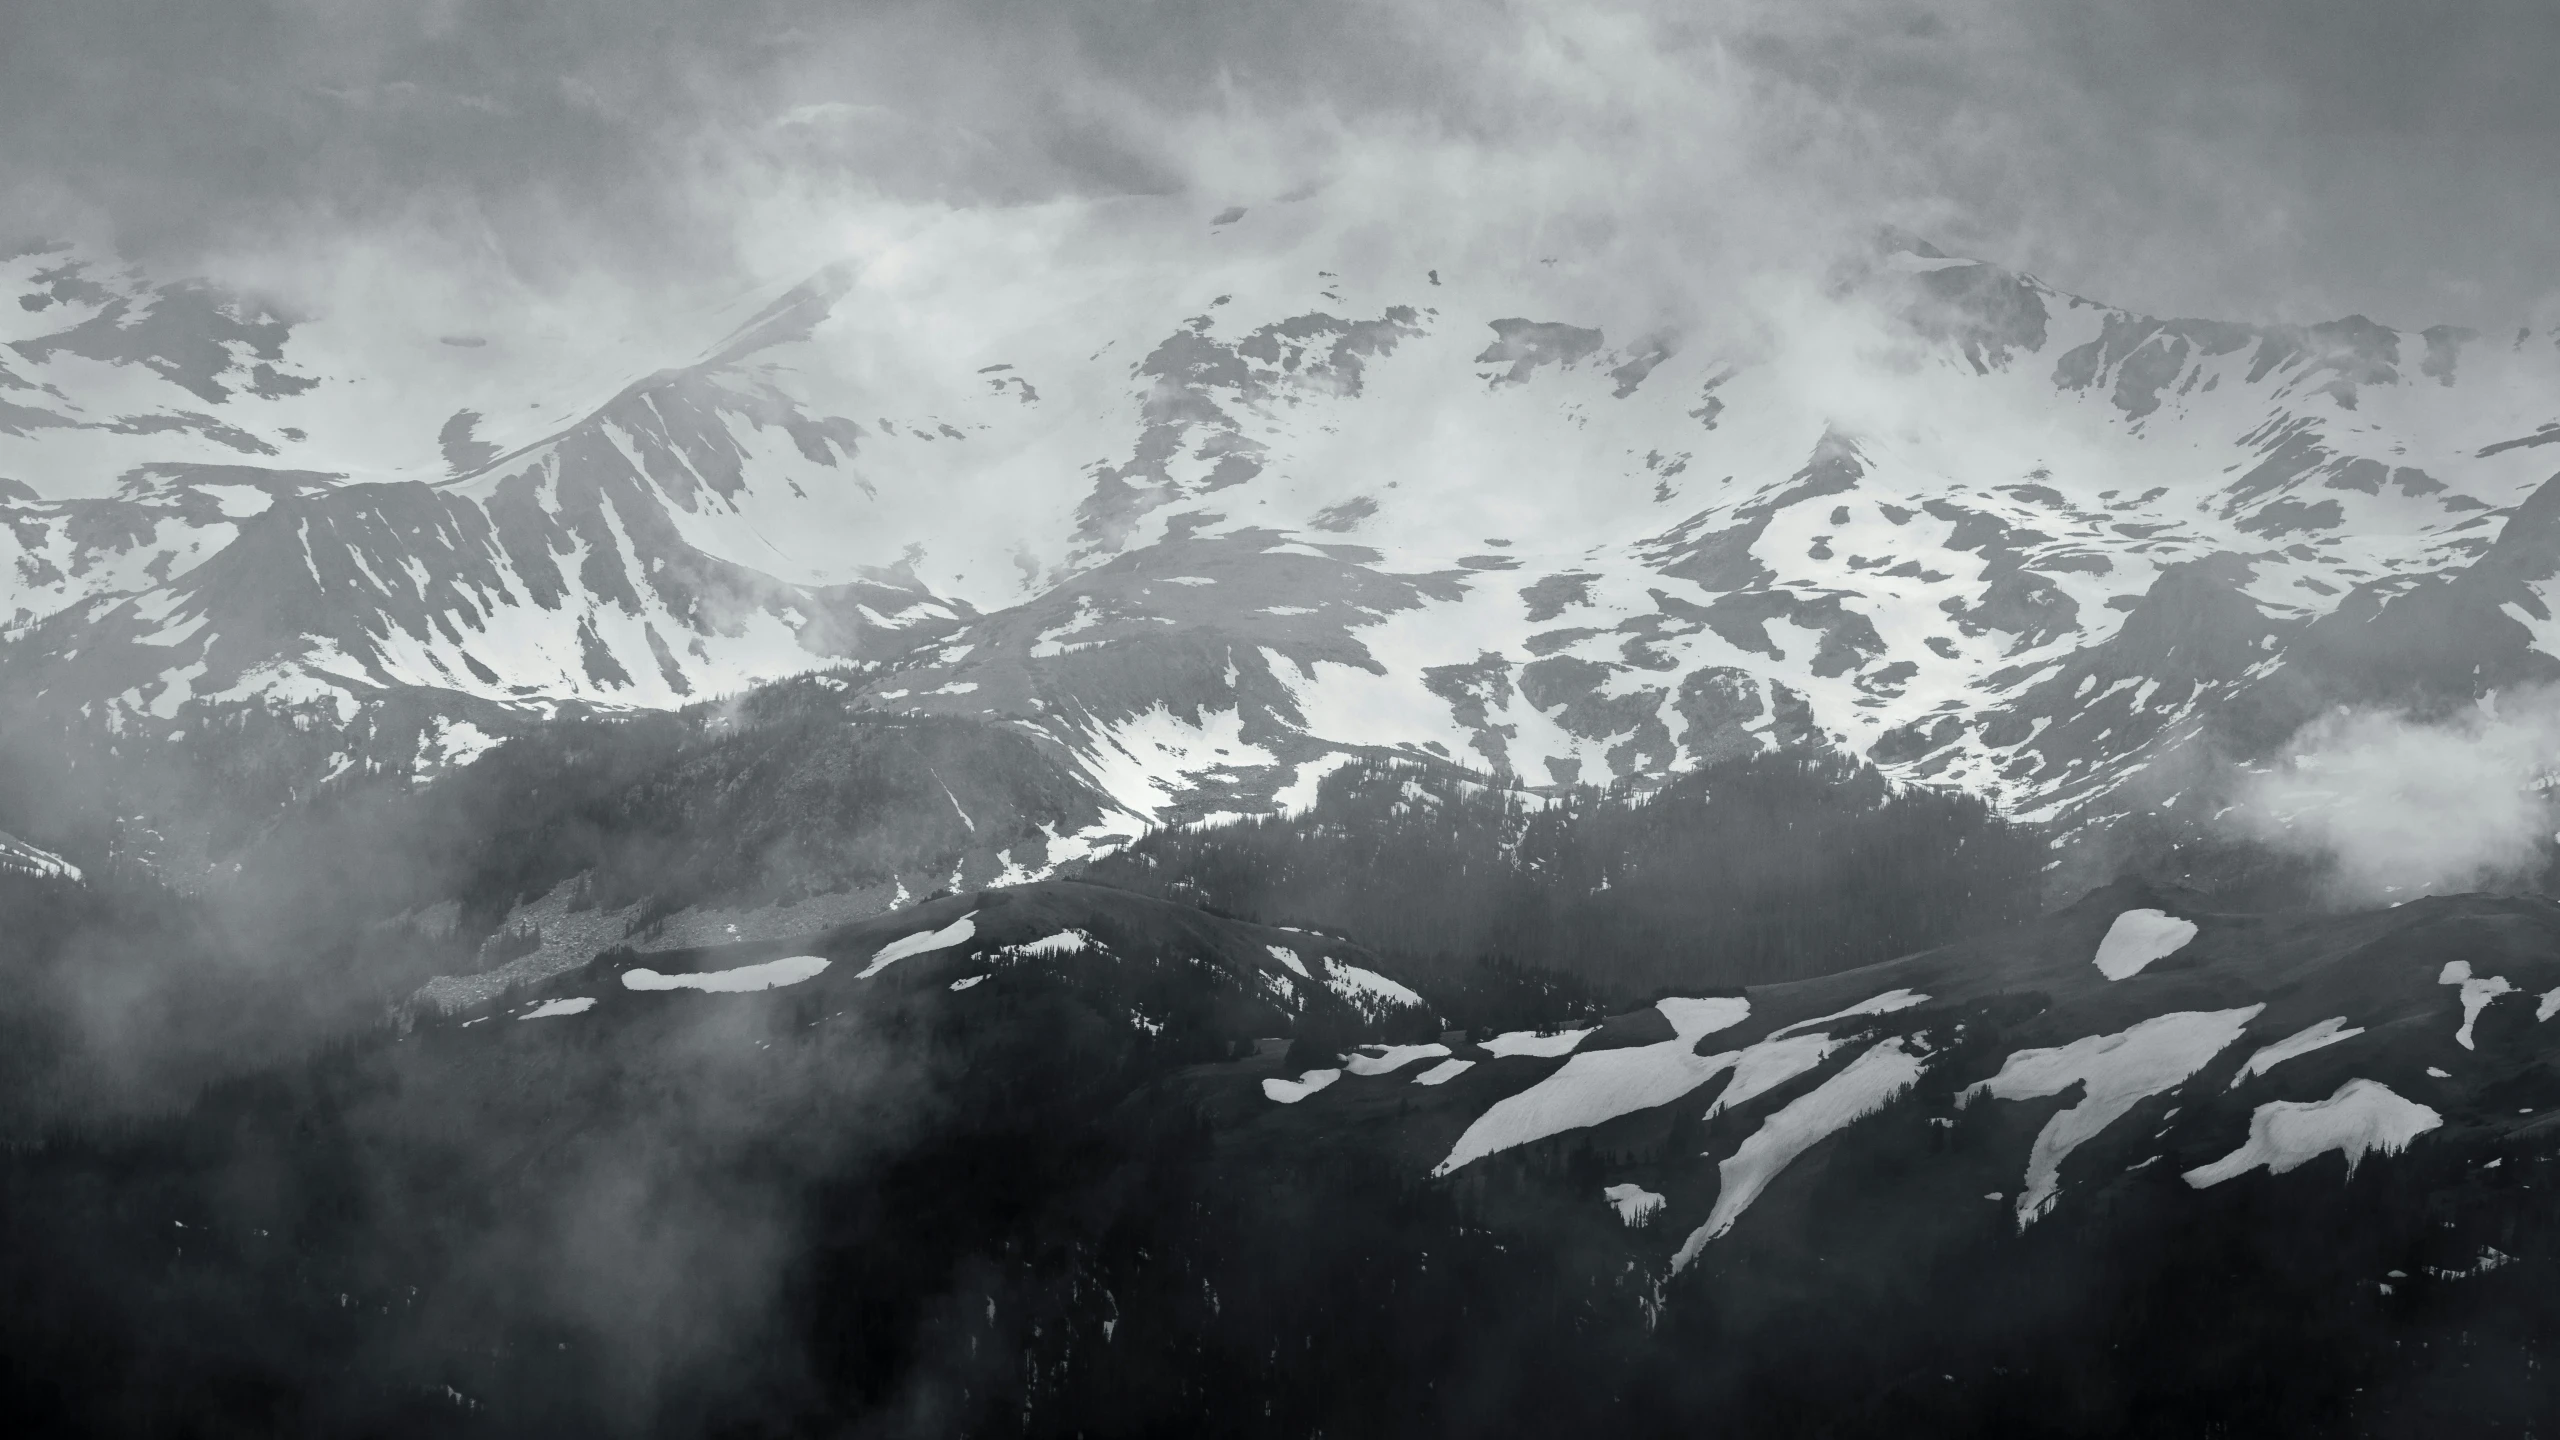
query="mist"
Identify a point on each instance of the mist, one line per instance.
(2400, 806)
(596, 167)
(325, 1106)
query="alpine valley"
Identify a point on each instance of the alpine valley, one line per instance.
(1114, 820)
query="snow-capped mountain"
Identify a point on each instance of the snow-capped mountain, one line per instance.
(1214, 514)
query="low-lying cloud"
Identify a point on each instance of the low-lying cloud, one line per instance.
(2402, 806)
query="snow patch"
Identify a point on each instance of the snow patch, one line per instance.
(1636, 1206)
(1367, 989)
(1865, 1086)
(2301, 1042)
(2491, 1258)
(2139, 937)
(921, 943)
(1290, 1092)
(1884, 1004)
(1531, 1042)
(1385, 1059)
(1773, 1062)
(1694, 1019)
(771, 975)
(2364, 1116)
(1444, 1072)
(1586, 1091)
(2120, 1071)
(567, 1005)
(1288, 957)
(26, 859)
(2476, 995)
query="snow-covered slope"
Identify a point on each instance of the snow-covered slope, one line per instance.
(18, 856)
(1213, 507)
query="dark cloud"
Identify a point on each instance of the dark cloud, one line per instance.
(2260, 158)
(2267, 159)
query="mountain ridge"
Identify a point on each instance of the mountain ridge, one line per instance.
(1923, 569)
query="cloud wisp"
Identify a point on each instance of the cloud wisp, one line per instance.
(2402, 807)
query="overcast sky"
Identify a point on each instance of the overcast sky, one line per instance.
(2260, 159)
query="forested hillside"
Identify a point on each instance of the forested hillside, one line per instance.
(1764, 868)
